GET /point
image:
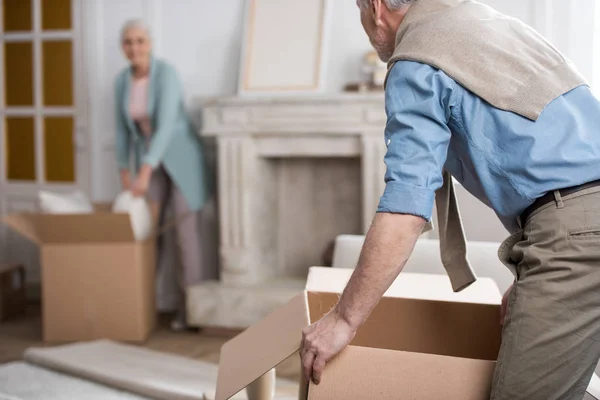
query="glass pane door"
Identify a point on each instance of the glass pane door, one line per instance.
(38, 101)
(42, 112)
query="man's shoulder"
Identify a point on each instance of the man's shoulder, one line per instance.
(405, 71)
(409, 81)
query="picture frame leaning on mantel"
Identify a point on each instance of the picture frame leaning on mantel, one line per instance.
(284, 47)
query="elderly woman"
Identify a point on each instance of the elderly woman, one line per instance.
(151, 124)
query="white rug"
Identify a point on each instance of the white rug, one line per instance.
(22, 381)
(144, 372)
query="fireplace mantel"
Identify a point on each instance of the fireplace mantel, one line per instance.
(250, 133)
(324, 115)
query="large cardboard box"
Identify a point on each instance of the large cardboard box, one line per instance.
(12, 291)
(98, 282)
(410, 347)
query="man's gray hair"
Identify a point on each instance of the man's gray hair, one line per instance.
(391, 4)
(139, 24)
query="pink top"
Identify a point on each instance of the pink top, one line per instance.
(138, 105)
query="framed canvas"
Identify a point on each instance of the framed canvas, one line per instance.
(284, 46)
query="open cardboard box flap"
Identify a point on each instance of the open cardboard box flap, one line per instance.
(102, 226)
(404, 345)
(261, 347)
(99, 227)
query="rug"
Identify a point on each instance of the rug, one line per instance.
(141, 371)
(23, 381)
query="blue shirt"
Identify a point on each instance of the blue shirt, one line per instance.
(503, 159)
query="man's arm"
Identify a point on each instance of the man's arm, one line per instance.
(419, 99)
(388, 245)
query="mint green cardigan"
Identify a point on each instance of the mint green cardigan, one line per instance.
(174, 143)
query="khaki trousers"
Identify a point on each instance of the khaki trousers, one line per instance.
(551, 337)
(188, 260)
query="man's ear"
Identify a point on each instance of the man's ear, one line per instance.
(377, 9)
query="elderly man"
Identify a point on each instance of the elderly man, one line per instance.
(485, 98)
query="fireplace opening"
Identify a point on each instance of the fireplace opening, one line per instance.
(315, 200)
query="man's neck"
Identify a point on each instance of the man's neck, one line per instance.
(392, 21)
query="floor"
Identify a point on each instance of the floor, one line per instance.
(19, 334)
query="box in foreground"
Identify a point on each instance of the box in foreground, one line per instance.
(97, 280)
(408, 348)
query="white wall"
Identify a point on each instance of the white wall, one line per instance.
(202, 38)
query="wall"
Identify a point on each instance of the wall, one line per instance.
(203, 38)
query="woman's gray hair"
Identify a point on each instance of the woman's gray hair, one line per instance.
(135, 23)
(392, 4)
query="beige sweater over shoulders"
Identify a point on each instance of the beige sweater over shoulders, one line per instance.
(499, 58)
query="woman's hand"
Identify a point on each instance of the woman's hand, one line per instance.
(125, 179)
(142, 182)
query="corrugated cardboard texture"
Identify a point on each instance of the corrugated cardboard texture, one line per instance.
(261, 347)
(12, 291)
(94, 291)
(384, 374)
(435, 327)
(408, 348)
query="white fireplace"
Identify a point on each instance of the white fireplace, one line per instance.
(293, 172)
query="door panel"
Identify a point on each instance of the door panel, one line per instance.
(58, 149)
(58, 73)
(42, 110)
(56, 15)
(18, 74)
(20, 149)
(17, 16)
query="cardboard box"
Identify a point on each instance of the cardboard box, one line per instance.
(12, 291)
(408, 348)
(97, 281)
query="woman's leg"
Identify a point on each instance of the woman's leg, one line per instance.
(189, 255)
(159, 193)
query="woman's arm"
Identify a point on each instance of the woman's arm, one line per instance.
(122, 138)
(169, 90)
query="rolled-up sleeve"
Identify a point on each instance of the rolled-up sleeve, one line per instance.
(418, 101)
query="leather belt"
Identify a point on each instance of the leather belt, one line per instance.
(548, 197)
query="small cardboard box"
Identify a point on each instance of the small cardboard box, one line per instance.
(408, 348)
(12, 291)
(98, 282)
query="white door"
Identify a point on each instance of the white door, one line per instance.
(43, 135)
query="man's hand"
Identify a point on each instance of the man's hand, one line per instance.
(504, 305)
(142, 181)
(321, 342)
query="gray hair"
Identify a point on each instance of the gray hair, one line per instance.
(138, 24)
(391, 4)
